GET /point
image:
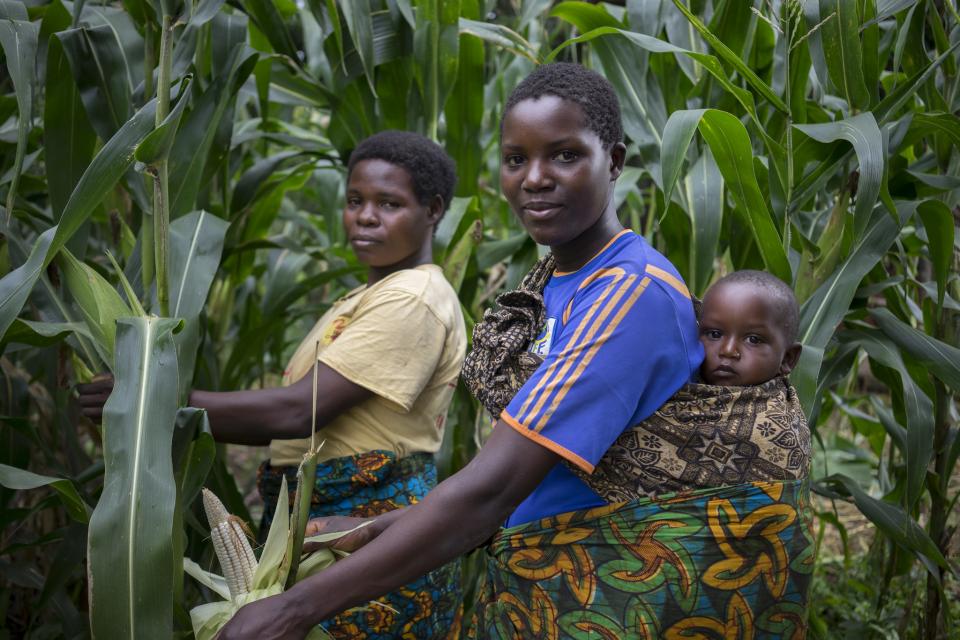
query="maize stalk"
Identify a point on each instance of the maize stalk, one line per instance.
(231, 545)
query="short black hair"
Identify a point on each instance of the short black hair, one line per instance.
(431, 170)
(576, 83)
(785, 301)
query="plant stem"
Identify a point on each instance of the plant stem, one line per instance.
(787, 20)
(161, 200)
(939, 501)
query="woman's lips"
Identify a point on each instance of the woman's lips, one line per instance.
(363, 241)
(541, 210)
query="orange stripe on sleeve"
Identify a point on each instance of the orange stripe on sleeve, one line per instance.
(543, 441)
(595, 347)
(549, 373)
(670, 279)
(571, 351)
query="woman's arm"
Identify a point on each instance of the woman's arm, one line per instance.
(461, 513)
(257, 416)
(260, 415)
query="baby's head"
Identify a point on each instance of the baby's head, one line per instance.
(748, 327)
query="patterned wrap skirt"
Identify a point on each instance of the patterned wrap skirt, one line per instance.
(365, 485)
(727, 562)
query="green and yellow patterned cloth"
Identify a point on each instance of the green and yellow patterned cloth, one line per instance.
(730, 562)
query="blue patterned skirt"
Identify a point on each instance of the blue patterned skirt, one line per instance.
(365, 485)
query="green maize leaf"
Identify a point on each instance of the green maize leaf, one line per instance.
(22, 480)
(19, 41)
(938, 223)
(890, 106)
(704, 195)
(917, 405)
(870, 49)
(844, 56)
(823, 311)
(654, 45)
(128, 291)
(359, 18)
(892, 521)
(863, 133)
(436, 50)
(107, 167)
(15, 287)
(100, 71)
(156, 146)
(198, 130)
(499, 35)
(942, 359)
(464, 109)
(65, 125)
(99, 302)
(131, 574)
(458, 258)
(13, 10)
(731, 148)
(270, 23)
(450, 224)
(41, 334)
(252, 181)
(196, 244)
(490, 253)
(204, 11)
(728, 56)
(925, 124)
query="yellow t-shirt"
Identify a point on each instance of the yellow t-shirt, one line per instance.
(403, 338)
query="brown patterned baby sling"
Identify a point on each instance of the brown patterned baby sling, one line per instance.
(703, 436)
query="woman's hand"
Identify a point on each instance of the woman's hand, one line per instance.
(93, 395)
(348, 543)
(272, 618)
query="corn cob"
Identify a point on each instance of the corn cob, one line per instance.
(231, 545)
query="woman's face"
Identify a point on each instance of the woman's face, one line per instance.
(554, 171)
(386, 225)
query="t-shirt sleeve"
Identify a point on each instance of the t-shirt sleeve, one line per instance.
(391, 346)
(619, 356)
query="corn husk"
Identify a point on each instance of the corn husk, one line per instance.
(271, 575)
(280, 564)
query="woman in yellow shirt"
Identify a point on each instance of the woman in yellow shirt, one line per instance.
(390, 352)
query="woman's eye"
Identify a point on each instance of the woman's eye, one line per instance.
(712, 334)
(513, 161)
(388, 204)
(754, 339)
(353, 202)
(567, 156)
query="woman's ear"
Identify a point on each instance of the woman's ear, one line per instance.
(790, 358)
(435, 209)
(618, 155)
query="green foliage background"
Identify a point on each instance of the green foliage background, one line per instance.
(172, 177)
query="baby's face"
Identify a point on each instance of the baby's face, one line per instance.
(743, 341)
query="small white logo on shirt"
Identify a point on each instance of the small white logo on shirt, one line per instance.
(542, 344)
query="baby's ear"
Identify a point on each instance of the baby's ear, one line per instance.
(790, 358)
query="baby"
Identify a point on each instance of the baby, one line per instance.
(742, 424)
(748, 327)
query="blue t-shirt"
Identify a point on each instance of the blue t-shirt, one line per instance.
(620, 339)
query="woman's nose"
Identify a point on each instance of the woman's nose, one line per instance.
(537, 178)
(367, 216)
